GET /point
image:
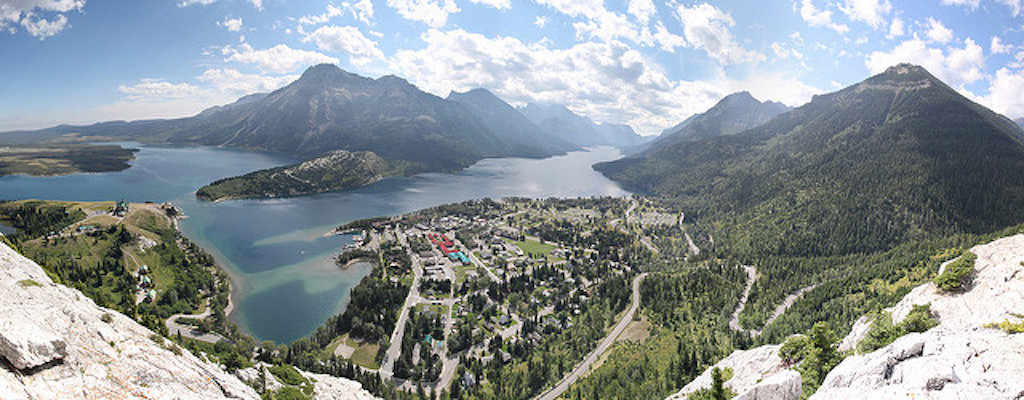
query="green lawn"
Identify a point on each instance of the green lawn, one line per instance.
(535, 247)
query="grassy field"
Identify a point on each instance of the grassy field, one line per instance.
(535, 247)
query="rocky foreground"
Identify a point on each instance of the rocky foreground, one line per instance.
(56, 343)
(961, 358)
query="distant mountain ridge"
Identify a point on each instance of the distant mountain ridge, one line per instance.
(330, 109)
(562, 123)
(896, 157)
(508, 123)
(732, 114)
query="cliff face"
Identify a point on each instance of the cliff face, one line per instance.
(56, 343)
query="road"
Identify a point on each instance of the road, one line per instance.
(785, 306)
(607, 342)
(388, 369)
(734, 322)
(174, 328)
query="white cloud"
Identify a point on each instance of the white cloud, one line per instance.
(706, 27)
(956, 66)
(606, 81)
(820, 18)
(642, 10)
(278, 59)
(332, 11)
(1015, 6)
(576, 8)
(347, 39)
(233, 83)
(185, 3)
(997, 46)
(158, 89)
(1005, 93)
(541, 21)
(434, 13)
(27, 14)
(896, 28)
(499, 4)
(870, 12)
(972, 4)
(937, 32)
(233, 24)
(362, 10)
(782, 52)
(667, 40)
(42, 28)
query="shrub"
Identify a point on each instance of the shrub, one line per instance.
(794, 349)
(287, 374)
(883, 331)
(106, 317)
(957, 274)
(1008, 327)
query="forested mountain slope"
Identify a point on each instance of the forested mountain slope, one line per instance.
(897, 157)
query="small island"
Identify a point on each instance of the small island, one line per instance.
(338, 170)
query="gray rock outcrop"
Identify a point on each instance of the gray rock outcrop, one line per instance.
(961, 358)
(756, 374)
(56, 343)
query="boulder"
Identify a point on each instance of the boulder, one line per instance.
(26, 345)
(784, 385)
(749, 368)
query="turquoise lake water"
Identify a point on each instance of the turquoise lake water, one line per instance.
(282, 264)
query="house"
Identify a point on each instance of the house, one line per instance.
(121, 208)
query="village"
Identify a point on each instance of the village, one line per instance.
(490, 280)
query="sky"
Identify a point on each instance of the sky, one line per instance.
(645, 63)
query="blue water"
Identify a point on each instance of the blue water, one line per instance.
(282, 264)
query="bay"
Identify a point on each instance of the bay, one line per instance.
(280, 261)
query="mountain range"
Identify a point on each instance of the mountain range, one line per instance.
(898, 156)
(328, 109)
(562, 123)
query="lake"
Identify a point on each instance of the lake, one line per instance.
(282, 265)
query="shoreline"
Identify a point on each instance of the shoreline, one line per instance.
(357, 260)
(233, 292)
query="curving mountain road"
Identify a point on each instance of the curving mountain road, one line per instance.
(607, 342)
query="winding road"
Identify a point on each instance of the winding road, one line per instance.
(607, 342)
(734, 322)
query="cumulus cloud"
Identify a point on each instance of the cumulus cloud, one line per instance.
(1005, 93)
(156, 89)
(348, 39)
(279, 59)
(229, 81)
(434, 13)
(956, 66)
(541, 21)
(706, 27)
(606, 81)
(871, 12)
(820, 18)
(895, 28)
(576, 8)
(232, 24)
(937, 32)
(499, 4)
(642, 10)
(997, 46)
(1015, 6)
(27, 14)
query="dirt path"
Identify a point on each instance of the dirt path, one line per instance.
(785, 306)
(585, 365)
(734, 322)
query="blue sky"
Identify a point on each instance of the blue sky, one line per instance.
(645, 63)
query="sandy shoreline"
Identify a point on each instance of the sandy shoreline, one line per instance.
(358, 260)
